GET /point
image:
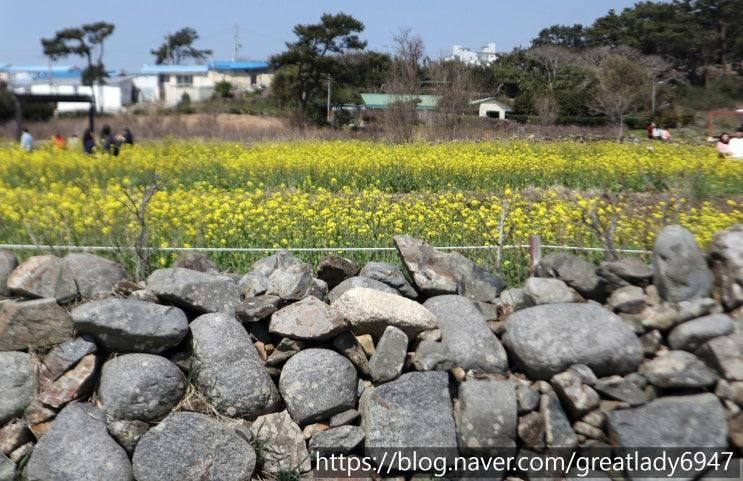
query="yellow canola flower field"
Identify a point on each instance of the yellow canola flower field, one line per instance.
(360, 194)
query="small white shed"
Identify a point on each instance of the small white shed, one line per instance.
(492, 107)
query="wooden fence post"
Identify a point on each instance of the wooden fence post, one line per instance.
(535, 252)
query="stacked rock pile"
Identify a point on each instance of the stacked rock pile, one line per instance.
(193, 374)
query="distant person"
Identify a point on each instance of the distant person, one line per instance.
(88, 141)
(650, 128)
(736, 146)
(27, 141)
(59, 141)
(723, 145)
(657, 132)
(665, 135)
(128, 137)
(108, 142)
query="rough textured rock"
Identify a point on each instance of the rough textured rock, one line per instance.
(465, 332)
(344, 418)
(141, 387)
(690, 335)
(79, 447)
(436, 273)
(369, 311)
(17, 384)
(42, 276)
(487, 415)
(577, 397)
(14, 435)
(39, 323)
(549, 291)
(192, 447)
(229, 370)
(627, 299)
(8, 262)
(681, 272)
(531, 431)
(253, 284)
(677, 421)
(389, 357)
(340, 440)
(195, 290)
(620, 389)
(284, 440)
(76, 383)
(280, 260)
(63, 357)
(678, 370)
(390, 275)
(284, 350)
(309, 320)
(557, 429)
(124, 325)
(726, 255)
(624, 272)
(95, 276)
(317, 384)
(255, 309)
(127, 433)
(352, 282)
(319, 289)
(348, 345)
(527, 398)
(196, 261)
(336, 269)
(7, 468)
(575, 272)
(291, 283)
(433, 356)
(515, 299)
(412, 411)
(546, 340)
(723, 355)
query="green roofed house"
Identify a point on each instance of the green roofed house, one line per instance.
(382, 101)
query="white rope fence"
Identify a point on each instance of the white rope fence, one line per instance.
(299, 249)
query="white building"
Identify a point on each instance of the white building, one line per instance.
(110, 97)
(492, 108)
(485, 56)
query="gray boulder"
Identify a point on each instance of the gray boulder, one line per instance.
(347, 345)
(42, 276)
(527, 398)
(192, 447)
(335, 269)
(284, 441)
(625, 272)
(94, 275)
(465, 333)
(549, 291)
(255, 309)
(574, 271)
(78, 447)
(141, 387)
(578, 398)
(557, 429)
(621, 389)
(389, 356)
(65, 356)
(316, 384)
(195, 290)
(436, 273)
(487, 416)
(8, 263)
(124, 325)
(726, 254)
(253, 284)
(515, 299)
(7, 468)
(413, 411)
(127, 433)
(366, 282)
(690, 335)
(280, 260)
(678, 370)
(628, 299)
(307, 320)
(724, 355)
(229, 370)
(390, 275)
(291, 283)
(546, 340)
(433, 356)
(196, 261)
(17, 384)
(340, 440)
(39, 323)
(681, 272)
(669, 422)
(369, 311)
(319, 289)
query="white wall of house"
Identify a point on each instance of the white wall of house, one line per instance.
(242, 81)
(108, 97)
(147, 87)
(492, 110)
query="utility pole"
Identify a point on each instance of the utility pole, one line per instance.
(237, 42)
(330, 82)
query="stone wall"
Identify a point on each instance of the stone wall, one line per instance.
(195, 374)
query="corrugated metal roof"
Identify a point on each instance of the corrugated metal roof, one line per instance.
(40, 68)
(380, 101)
(220, 65)
(176, 69)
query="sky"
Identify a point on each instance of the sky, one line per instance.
(265, 26)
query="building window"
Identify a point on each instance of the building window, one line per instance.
(184, 79)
